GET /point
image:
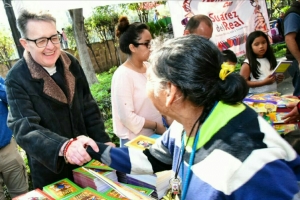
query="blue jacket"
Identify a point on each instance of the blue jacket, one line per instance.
(5, 132)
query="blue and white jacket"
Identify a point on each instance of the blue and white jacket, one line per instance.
(239, 156)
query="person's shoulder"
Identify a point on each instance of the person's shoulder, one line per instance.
(17, 69)
(291, 17)
(246, 61)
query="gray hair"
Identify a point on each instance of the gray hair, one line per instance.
(192, 63)
(25, 16)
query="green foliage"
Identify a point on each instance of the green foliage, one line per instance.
(159, 28)
(70, 35)
(102, 95)
(6, 48)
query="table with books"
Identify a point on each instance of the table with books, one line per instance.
(98, 181)
(272, 107)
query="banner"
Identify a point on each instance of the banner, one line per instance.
(232, 20)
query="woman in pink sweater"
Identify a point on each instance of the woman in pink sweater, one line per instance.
(133, 112)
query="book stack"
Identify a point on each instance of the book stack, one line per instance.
(85, 179)
(280, 101)
(89, 193)
(34, 194)
(159, 182)
(61, 189)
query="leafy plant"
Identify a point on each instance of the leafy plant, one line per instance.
(101, 93)
(6, 48)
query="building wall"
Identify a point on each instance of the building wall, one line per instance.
(105, 62)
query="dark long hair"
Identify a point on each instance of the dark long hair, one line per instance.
(253, 63)
(193, 64)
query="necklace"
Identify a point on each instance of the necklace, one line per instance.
(143, 74)
(175, 191)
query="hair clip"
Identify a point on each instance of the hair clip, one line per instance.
(226, 69)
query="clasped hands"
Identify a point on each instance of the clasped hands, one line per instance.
(76, 153)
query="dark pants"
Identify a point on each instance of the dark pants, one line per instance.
(295, 74)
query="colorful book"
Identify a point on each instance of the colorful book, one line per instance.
(89, 194)
(36, 194)
(86, 179)
(61, 189)
(97, 165)
(141, 142)
(285, 128)
(121, 189)
(282, 66)
(276, 117)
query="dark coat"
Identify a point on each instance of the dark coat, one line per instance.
(43, 118)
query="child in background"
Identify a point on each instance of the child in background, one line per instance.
(229, 57)
(257, 68)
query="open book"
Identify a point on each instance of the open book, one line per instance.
(121, 189)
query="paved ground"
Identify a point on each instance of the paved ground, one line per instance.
(285, 87)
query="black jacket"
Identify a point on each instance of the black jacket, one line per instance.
(43, 118)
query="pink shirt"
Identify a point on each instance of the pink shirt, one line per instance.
(130, 104)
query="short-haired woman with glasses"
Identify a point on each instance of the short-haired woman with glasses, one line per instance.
(133, 112)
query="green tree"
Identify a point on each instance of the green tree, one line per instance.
(103, 21)
(6, 48)
(143, 8)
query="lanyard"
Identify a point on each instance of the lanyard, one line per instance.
(189, 170)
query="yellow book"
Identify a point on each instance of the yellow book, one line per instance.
(141, 142)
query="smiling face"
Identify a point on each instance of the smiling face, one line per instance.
(45, 56)
(259, 46)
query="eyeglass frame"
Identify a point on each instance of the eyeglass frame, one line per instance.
(49, 38)
(147, 44)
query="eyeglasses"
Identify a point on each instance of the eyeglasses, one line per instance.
(147, 44)
(42, 42)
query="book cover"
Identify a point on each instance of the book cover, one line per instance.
(89, 194)
(141, 142)
(98, 165)
(276, 117)
(84, 172)
(61, 189)
(36, 194)
(282, 66)
(285, 128)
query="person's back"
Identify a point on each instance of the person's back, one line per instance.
(257, 68)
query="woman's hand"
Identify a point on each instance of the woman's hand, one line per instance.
(279, 78)
(269, 80)
(160, 129)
